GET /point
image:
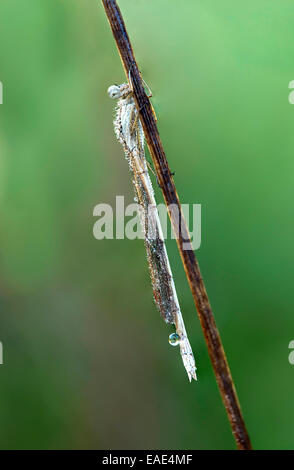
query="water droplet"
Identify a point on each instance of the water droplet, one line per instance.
(174, 339)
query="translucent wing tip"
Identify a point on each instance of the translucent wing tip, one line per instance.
(192, 375)
(188, 359)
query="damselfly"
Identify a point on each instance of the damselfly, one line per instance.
(129, 132)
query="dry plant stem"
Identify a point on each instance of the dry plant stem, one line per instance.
(211, 334)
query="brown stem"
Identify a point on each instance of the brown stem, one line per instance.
(211, 334)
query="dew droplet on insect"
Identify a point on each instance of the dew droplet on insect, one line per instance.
(174, 339)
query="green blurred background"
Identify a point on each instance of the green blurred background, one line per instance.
(87, 362)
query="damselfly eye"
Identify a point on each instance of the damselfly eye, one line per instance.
(119, 91)
(114, 91)
(174, 339)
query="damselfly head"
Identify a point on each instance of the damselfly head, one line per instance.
(118, 91)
